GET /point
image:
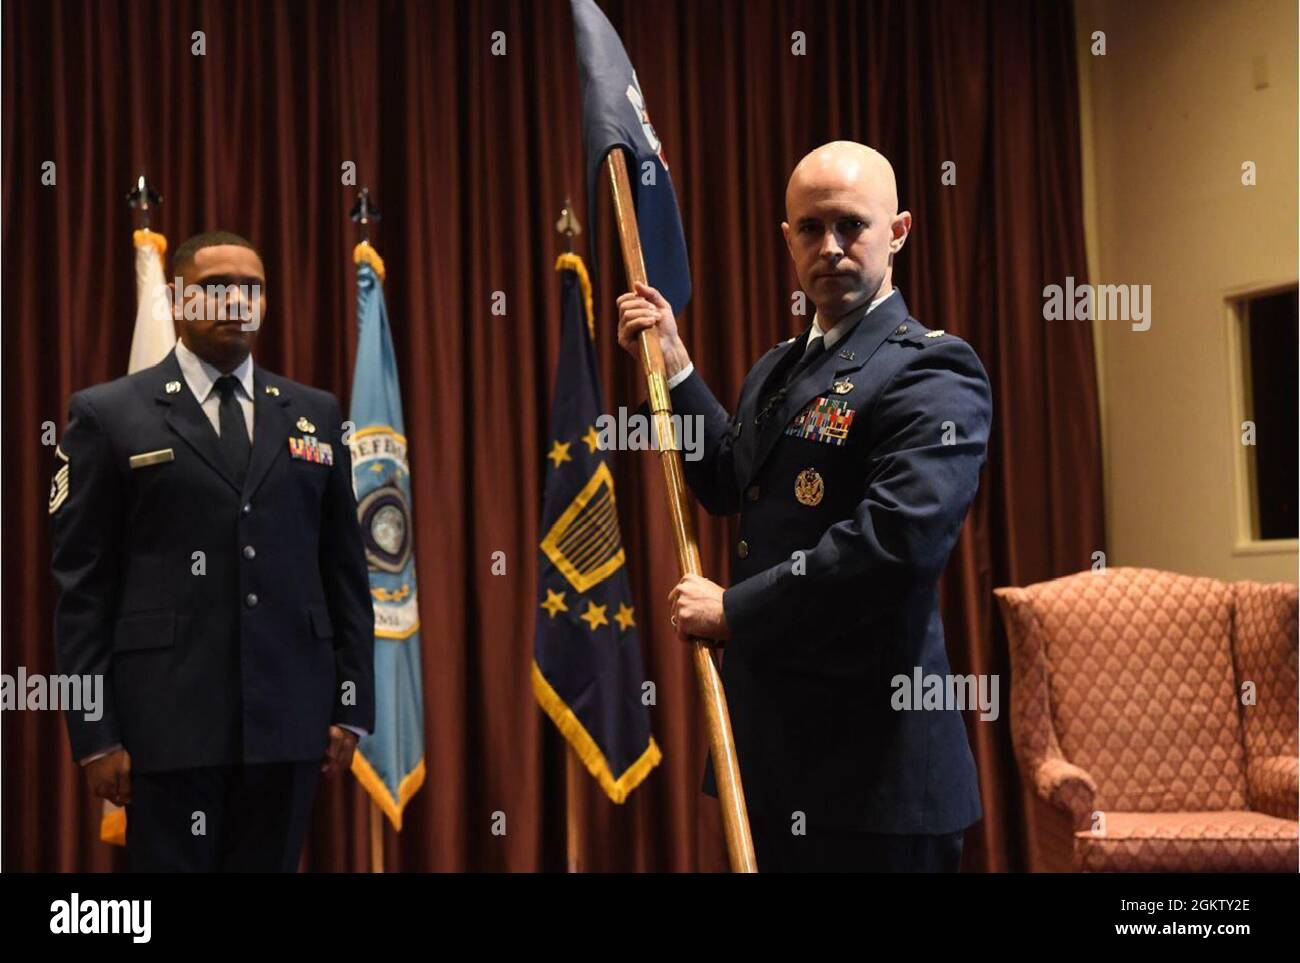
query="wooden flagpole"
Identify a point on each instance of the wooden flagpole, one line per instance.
(364, 212)
(376, 836)
(726, 770)
(575, 810)
(574, 772)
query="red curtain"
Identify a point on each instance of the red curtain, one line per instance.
(470, 155)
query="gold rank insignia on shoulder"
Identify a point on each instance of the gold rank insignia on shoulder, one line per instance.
(172, 387)
(59, 483)
(809, 487)
(842, 387)
(307, 426)
(935, 334)
(273, 391)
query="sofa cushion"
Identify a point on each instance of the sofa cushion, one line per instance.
(1236, 841)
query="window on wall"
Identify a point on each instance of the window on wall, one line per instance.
(1269, 358)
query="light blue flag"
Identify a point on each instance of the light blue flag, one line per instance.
(390, 761)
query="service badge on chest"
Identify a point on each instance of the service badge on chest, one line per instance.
(809, 487)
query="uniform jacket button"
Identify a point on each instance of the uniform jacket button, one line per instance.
(247, 509)
(250, 600)
(743, 549)
(752, 493)
(250, 552)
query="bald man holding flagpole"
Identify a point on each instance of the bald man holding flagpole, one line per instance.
(851, 458)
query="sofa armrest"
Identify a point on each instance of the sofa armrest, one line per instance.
(1274, 783)
(1066, 786)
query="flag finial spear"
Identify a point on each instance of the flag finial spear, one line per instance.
(568, 224)
(142, 197)
(363, 212)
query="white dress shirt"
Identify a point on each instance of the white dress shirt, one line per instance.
(832, 337)
(202, 379)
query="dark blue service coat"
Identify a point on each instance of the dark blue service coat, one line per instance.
(851, 492)
(242, 654)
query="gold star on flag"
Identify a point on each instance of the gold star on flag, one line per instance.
(624, 617)
(595, 615)
(554, 603)
(559, 453)
(592, 438)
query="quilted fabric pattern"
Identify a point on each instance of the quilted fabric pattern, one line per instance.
(1264, 648)
(1033, 735)
(1275, 785)
(1140, 686)
(1126, 697)
(1190, 842)
(1068, 787)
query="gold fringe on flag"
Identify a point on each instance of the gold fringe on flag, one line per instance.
(574, 263)
(587, 749)
(363, 252)
(147, 238)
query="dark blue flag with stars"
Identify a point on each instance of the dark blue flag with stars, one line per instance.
(614, 115)
(587, 670)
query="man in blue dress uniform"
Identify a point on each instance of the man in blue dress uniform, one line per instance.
(210, 568)
(852, 457)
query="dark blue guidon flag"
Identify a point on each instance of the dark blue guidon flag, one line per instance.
(614, 115)
(587, 672)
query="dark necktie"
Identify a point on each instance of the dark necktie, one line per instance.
(810, 355)
(234, 430)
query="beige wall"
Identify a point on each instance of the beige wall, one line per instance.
(1169, 115)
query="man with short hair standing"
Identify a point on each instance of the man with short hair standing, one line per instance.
(210, 567)
(852, 458)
